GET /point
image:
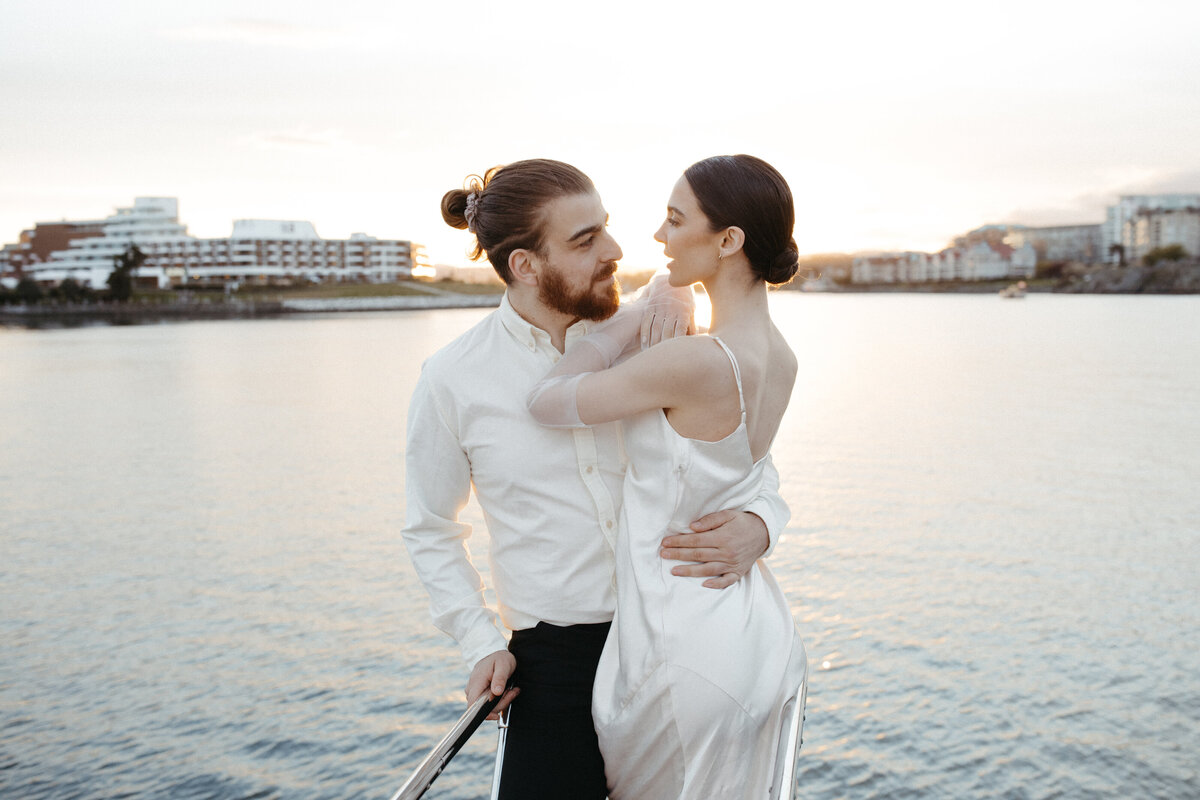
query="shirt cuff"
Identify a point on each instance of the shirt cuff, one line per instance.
(764, 511)
(481, 644)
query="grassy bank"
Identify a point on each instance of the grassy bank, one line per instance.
(329, 291)
(315, 291)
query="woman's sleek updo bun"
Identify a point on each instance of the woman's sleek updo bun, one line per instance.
(746, 192)
(503, 208)
(784, 266)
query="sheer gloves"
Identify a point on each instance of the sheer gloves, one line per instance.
(552, 401)
(660, 312)
(669, 311)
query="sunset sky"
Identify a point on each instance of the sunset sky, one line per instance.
(898, 125)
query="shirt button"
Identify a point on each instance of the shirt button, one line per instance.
(588, 470)
(608, 524)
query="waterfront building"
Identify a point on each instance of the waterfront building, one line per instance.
(988, 260)
(259, 251)
(874, 268)
(985, 259)
(902, 267)
(1151, 229)
(1116, 229)
(946, 265)
(1062, 242)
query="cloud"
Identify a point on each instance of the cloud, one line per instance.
(297, 140)
(1087, 211)
(1089, 208)
(263, 33)
(1184, 182)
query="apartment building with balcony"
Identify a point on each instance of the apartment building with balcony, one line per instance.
(981, 260)
(256, 251)
(1083, 243)
(1118, 231)
(1151, 229)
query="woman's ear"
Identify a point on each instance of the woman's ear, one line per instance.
(732, 240)
(521, 267)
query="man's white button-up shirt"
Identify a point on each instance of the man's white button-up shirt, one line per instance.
(550, 497)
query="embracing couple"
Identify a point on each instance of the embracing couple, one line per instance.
(624, 474)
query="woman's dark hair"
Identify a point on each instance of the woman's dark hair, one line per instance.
(746, 192)
(507, 207)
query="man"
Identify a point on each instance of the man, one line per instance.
(550, 497)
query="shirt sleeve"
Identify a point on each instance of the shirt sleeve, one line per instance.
(553, 401)
(437, 486)
(769, 506)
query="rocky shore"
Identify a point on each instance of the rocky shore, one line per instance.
(1170, 277)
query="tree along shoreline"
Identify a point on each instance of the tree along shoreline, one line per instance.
(1173, 277)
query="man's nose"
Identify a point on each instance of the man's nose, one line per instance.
(613, 253)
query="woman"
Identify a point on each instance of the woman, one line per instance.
(687, 696)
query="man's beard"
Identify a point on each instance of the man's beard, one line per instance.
(586, 304)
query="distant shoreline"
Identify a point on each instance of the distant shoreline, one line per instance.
(67, 315)
(1172, 278)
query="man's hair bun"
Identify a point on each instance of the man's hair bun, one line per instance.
(454, 207)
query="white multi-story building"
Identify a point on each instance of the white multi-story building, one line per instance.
(258, 250)
(1151, 229)
(981, 261)
(1116, 227)
(993, 261)
(875, 268)
(1062, 242)
(946, 265)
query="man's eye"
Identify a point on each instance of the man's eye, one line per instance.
(587, 242)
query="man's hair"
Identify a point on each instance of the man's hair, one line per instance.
(506, 213)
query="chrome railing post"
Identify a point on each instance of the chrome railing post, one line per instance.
(501, 739)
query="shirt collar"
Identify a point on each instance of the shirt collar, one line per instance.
(528, 334)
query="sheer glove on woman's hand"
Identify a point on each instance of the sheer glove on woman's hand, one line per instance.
(669, 311)
(552, 399)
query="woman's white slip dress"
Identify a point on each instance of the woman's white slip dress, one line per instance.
(689, 688)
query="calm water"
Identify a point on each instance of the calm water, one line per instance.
(993, 554)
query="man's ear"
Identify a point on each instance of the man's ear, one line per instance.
(732, 240)
(522, 268)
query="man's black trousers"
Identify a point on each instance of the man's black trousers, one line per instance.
(552, 751)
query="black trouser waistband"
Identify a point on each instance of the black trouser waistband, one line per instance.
(556, 665)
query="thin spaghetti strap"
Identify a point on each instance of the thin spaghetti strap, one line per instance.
(737, 373)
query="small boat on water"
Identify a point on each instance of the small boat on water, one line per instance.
(1013, 291)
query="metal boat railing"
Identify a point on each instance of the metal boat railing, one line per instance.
(433, 764)
(783, 781)
(791, 736)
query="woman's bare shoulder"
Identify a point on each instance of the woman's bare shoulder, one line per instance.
(698, 356)
(783, 357)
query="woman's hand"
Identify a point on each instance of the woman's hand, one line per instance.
(669, 311)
